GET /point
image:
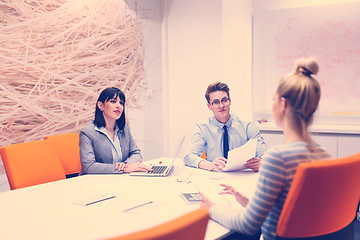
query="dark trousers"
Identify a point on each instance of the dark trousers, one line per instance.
(238, 236)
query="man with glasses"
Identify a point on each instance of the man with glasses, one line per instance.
(222, 133)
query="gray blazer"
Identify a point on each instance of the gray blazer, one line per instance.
(95, 150)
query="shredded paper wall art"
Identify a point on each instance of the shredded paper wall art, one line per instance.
(55, 58)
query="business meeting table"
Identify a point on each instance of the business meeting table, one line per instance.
(62, 209)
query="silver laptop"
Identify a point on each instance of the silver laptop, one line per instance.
(160, 170)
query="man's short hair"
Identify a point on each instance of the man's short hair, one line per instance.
(214, 87)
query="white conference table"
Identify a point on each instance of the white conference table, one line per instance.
(50, 211)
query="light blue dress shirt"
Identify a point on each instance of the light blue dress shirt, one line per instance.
(115, 145)
(209, 138)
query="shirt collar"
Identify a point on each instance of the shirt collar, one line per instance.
(221, 125)
(104, 131)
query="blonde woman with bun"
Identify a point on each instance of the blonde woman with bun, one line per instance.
(294, 104)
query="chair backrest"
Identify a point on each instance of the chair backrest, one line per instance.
(189, 226)
(68, 150)
(322, 199)
(203, 155)
(31, 163)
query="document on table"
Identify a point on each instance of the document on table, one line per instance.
(90, 196)
(144, 207)
(238, 156)
(134, 204)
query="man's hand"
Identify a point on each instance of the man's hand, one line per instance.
(217, 165)
(253, 163)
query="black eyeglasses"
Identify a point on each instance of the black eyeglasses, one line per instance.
(224, 101)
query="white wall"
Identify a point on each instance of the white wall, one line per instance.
(338, 145)
(194, 60)
(146, 123)
(206, 41)
(190, 44)
(278, 4)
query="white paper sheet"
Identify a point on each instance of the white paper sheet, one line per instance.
(93, 198)
(144, 207)
(238, 156)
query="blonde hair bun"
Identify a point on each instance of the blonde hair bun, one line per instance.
(307, 66)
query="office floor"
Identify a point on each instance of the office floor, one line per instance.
(4, 185)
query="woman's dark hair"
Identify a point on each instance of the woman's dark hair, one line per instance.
(106, 95)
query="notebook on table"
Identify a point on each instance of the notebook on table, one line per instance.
(160, 170)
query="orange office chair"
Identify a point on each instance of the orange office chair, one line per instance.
(189, 226)
(68, 150)
(322, 200)
(31, 163)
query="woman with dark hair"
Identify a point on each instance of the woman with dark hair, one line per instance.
(106, 144)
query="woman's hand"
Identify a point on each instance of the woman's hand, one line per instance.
(120, 166)
(137, 167)
(253, 163)
(206, 203)
(238, 196)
